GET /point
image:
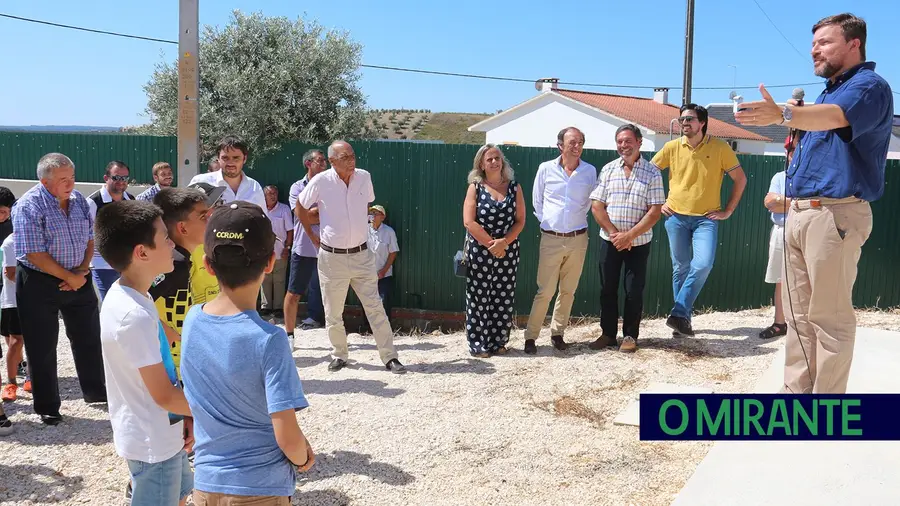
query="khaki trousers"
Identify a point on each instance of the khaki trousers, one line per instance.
(822, 246)
(216, 499)
(273, 286)
(559, 265)
(337, 272)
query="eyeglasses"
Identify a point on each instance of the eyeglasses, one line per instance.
(119, 178)
(686, 119)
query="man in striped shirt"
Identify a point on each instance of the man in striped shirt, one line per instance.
(163, 176)
(627, 202)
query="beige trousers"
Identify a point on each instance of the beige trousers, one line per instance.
(337, 272)
(823, 246)
(201, 498)
(559, 265)
(273, 286)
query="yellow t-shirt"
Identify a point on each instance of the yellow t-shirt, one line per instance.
(696, 174)
(204, 286)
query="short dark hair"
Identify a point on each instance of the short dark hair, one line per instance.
(177, 203)
(233, 142)
(122, 225)
(702, 114)
(851, 26)
(562, 134)
(116, 163)
(628, 127)
(7, 199)
(232, 269)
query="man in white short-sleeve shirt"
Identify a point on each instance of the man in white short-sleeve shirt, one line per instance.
(343, 196)
(383, 243)
(273, 286)
(232, 154)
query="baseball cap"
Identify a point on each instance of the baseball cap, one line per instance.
(213, 193)
(239, 234)
(380, 209)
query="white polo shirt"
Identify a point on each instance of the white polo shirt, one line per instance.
(249, 190)
(343, 209)
(282, 222)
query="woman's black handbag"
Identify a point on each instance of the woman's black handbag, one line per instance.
(461, 260)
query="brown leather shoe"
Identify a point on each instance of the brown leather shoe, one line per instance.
(602, 342)
(629, 345)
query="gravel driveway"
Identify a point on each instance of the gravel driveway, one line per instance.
(513, 430)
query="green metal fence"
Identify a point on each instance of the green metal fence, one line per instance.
(422, 187)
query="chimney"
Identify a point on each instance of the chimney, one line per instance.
(661, 95)
(547, 84)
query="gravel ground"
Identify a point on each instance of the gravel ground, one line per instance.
(513, 430)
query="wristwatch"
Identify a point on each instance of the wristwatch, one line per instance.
(786, 114)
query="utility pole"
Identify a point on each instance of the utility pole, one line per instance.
(688, 52)
(188, 90)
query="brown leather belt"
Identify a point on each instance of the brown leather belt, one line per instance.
(566, 234)
(816, 202)
(343, 251)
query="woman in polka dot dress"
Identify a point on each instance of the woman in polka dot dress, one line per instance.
(494, 216)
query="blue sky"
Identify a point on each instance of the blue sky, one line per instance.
(58, 76)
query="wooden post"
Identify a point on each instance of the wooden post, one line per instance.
(188, 91)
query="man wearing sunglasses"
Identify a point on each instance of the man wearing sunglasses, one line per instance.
(113, 190)
(697, 166)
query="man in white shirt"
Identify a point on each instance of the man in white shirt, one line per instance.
(232, 154)
(343, 196)
(113, 190)
(282, 219)
(561, 199)
(383, 243)
(304, 275)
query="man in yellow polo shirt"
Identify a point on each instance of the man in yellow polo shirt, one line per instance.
(697, 165)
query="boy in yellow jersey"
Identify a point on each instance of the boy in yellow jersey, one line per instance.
(185, 211)
(204, 286)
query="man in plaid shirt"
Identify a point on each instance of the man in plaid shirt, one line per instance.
(54, 235)
(627, 202)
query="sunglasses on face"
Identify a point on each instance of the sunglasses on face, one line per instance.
(686, 119)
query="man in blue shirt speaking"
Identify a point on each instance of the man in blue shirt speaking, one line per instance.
(837, 170)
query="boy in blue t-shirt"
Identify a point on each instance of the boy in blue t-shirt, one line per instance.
(238, 372)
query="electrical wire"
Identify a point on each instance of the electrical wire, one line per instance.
(421, 71)
(785, 266)
(783, 36)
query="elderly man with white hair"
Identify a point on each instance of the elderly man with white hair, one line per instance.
(54, 236)
(343, 195)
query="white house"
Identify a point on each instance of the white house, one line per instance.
(537, 121)
(777, 133)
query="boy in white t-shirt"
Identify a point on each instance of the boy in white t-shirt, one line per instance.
(145, 405)
(9, 322)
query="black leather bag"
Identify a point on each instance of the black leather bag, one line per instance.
(461, 260)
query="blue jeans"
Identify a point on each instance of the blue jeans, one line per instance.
(104, 279)
(162, 483)
(692, 241)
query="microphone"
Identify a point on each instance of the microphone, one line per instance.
(797, 95)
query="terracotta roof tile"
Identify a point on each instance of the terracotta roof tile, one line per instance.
(653, 115)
